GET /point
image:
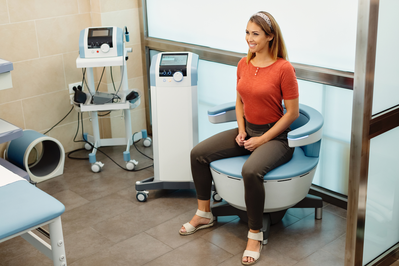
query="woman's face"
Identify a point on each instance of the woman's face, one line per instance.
(256, 38)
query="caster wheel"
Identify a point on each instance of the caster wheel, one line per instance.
(130, 166)
(96, 167)
(142, 196)
(147, 142)
(87, 146)
(216, 197)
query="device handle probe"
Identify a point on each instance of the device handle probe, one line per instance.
(127, 35)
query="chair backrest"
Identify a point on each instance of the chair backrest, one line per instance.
(310, 150)
(300, 121)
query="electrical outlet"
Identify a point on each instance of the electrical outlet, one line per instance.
(76, 84)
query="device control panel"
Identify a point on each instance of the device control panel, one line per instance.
(171, 69)
(99, 36)
(172, 65)
(101, 42)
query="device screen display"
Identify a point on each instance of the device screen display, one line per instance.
(174, 60)
(99, 32)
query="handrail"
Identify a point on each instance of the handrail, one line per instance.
(315, 74)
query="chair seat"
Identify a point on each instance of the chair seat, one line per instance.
(23, 206)
(298, 165)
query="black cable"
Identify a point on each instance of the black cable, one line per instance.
(77, 158)
(105, 114)
(112, 78)
(58, 122)
(98, 85)
(84, 82)
(134, 144)
(77, 131)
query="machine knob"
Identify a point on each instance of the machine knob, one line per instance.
(105, 48)
(178, 76)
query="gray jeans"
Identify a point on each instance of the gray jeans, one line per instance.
(263, 159)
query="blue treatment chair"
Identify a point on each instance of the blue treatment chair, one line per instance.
(286, 186)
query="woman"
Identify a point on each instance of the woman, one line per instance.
(264, 79)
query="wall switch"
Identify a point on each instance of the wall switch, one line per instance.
(76, 84)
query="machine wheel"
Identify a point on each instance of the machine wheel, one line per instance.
(142, 196)
(216, 197)
(130, 166)
(96, 167)
(147, 142)
(87, 146)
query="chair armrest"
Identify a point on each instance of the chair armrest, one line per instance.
(222, 113)
(310, 132)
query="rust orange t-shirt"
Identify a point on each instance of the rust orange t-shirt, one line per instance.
(262, 89)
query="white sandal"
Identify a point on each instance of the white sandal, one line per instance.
(253, 254)
(191, 229)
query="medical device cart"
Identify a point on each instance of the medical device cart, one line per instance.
(174, 111)
(103, 47)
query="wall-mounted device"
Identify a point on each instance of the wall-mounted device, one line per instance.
(100, 42)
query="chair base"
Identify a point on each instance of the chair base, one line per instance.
(310, 201)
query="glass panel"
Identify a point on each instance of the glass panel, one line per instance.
(382, 209)
(335, 104)
(323, 33)
(386, 87)
(216, 85)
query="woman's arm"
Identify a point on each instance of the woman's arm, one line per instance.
(242, 134)
(292, 107)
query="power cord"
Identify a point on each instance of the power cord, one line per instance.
(58, 122)
(83, 140)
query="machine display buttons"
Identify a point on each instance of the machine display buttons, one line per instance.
(105, 48)
(178, 76)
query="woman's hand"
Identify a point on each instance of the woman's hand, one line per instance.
(252, 143)
(240, 139)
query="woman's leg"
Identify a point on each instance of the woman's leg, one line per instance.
(263, 159)
(222, 145)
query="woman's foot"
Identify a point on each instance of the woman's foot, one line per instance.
(200, 220)
(254, 247)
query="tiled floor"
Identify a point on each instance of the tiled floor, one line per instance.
(104, 224)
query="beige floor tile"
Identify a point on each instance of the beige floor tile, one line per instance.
(231, 237)
(335, 210)
(337, 247)
(197, 252)
(321, 257)
(143, 217)
(94, 212)
(137, 250)
(70, 199)
(13, 248)
(84, 243)
(308, 235)
(31, 258)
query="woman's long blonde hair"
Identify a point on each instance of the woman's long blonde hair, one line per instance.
(277, 44)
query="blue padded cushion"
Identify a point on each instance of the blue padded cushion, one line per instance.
(298, 165)
(23, 206)
(313, 119)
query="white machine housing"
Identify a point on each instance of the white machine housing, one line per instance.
(100, 42)
(174, 109)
